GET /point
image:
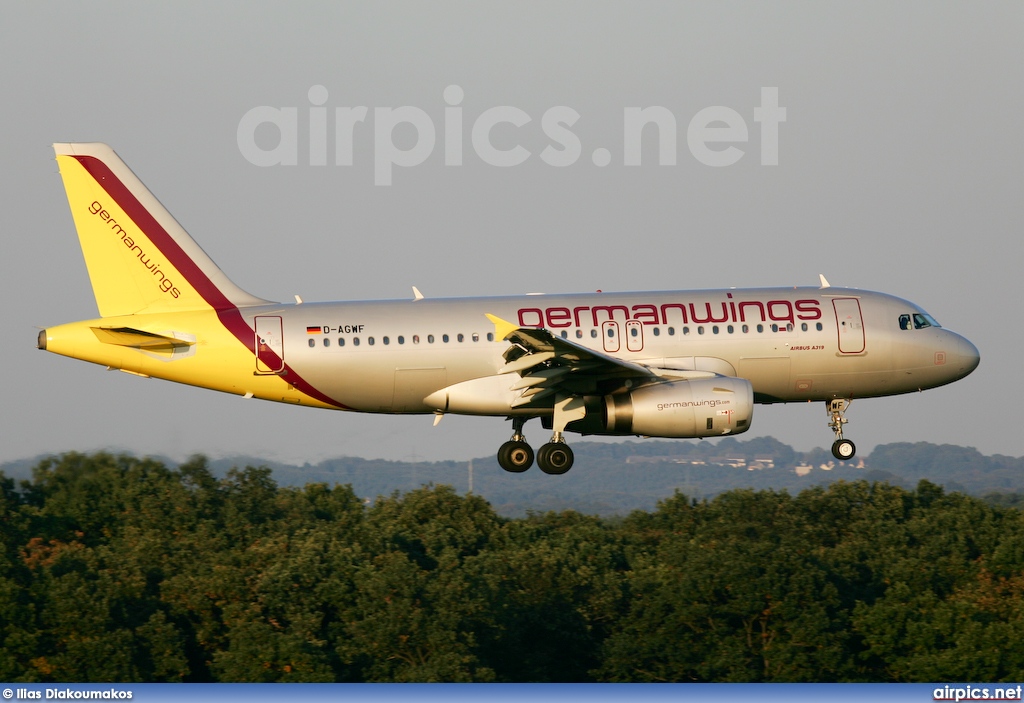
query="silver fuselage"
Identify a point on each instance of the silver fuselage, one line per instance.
(792, 344)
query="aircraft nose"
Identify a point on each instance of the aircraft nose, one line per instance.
(969, 356)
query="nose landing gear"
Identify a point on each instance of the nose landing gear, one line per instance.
(842, 449)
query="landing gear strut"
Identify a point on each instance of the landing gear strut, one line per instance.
(516, 455)
(842, 449)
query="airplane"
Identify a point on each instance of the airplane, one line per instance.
(679, 364)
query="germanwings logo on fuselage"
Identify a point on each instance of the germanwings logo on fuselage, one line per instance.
(728, 310)
(146, 260)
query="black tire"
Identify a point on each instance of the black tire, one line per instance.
(843, 449)
(515, 457)
(555, 458)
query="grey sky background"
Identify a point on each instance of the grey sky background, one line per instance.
(901, 164)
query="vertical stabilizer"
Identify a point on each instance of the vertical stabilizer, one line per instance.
(140, 259)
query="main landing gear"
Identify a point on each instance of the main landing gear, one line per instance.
(842, 449)
(516, 455)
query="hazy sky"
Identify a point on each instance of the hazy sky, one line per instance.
(900, 169)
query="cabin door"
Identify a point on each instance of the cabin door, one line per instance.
(850, 324)
(269, 344)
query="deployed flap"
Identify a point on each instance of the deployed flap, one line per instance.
(547, 346)
(550, 365)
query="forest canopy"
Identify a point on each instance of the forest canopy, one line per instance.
(121, 569)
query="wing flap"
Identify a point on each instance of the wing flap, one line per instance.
(527, 361)
(551, 366)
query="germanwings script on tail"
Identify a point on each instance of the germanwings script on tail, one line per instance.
(657, 364)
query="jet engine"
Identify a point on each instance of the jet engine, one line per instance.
(705, 407)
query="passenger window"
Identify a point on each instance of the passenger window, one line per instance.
(430, 339)
(387, 341)
(401, 339)
(819, 327)
(579, 334)
(461, 338)
(355, 341)
(657, 331)
(593, 334)
(415, 339)
(327, 342)
(671, 331)
(490, 336)
(476, 337)
(370, 341)
(444, 338)
(312, 343)
(341, 341)
(565, 335)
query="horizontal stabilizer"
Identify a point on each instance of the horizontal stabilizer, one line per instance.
(140, 339)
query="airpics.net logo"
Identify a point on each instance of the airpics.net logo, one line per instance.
(716, 136)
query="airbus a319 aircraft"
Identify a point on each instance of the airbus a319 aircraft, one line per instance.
(665, 364)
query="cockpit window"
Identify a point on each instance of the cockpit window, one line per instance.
(917, 321)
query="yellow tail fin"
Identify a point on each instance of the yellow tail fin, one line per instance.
(139, 258)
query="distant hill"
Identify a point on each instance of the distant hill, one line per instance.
(610, 479)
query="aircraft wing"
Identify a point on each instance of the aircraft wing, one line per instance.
(548, 364)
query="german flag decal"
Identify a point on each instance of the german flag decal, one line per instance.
(314, 330)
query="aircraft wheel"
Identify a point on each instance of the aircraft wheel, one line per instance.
(843, 449)
(515, 457)
(555, 458)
